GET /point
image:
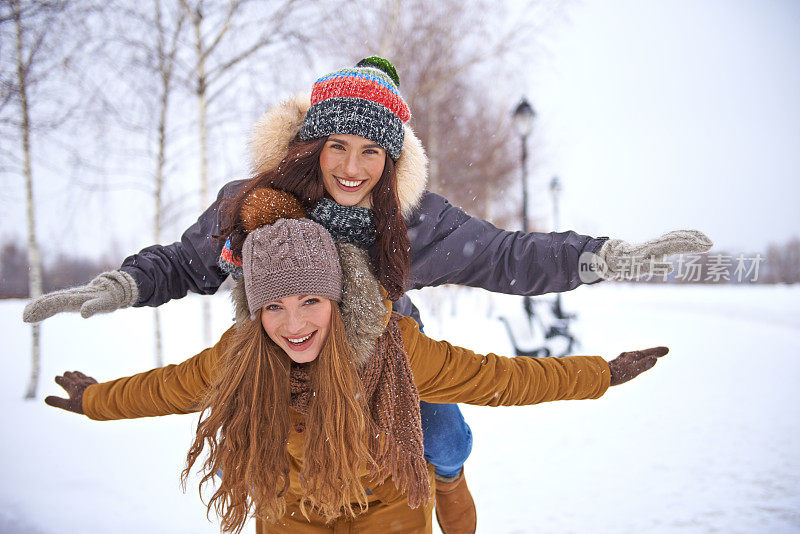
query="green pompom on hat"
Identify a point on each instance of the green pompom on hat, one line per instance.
(383, 64)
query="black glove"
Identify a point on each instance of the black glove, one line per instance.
(629, 365)
(75, 383)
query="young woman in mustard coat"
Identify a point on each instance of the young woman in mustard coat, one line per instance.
(310, 403)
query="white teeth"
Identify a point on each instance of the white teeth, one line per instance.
(349, 183)
(300, 340)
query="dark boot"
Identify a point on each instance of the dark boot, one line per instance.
(455, 509)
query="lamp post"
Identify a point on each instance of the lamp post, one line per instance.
(523, 117)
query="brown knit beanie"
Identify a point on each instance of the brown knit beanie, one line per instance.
(290, 257)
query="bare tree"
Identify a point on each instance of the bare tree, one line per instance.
(225, 37)
(458, 62)
(152, 71)
(157, 46)
(27, 51)
(39, 48)
(167, 34)
(141, 85)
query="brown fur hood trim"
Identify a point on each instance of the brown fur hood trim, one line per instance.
(273, 132)
(364, 309)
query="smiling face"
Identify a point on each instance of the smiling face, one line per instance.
(299, 324)
(351, 167)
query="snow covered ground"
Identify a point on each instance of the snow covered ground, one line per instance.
(708, 441)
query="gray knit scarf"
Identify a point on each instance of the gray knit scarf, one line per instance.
(347, 224)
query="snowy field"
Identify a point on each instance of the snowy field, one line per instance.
(708, 441)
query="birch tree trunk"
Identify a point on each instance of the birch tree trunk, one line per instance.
(202, 127)
(34, 256)
(158, 203)
(202, 133)
(165, 68)
(168, 30)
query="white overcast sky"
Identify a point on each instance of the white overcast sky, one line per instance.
(662, 115)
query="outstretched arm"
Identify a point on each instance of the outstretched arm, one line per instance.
(173, 389)
(447, 374)
(152, 277)
(450, 247)
(166, 272)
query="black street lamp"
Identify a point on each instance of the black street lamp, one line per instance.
(523, 117)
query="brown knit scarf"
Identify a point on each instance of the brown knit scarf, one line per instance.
(393, 402)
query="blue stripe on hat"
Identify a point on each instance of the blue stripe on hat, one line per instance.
(364, 76)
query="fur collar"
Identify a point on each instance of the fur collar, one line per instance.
(273, 132)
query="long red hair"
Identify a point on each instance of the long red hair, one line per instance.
(245, 424)
(299, 173)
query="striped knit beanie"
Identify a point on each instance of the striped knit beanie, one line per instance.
(290, 257)
(363, 101)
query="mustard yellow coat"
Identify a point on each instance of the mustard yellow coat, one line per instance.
(443, 374)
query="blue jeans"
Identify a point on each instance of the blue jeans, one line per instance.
(447, 438)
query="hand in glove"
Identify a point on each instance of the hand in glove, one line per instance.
(75, 383)
(629, 365)
(107, 292)
(622, 260)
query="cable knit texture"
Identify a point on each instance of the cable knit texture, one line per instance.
(626, 259)
(290, 257)
(107, 292)
(362, 303)
(363, 308)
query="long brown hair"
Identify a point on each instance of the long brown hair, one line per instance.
(245, 423)
(299, 173)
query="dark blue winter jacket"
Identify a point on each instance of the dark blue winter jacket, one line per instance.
(447, 247)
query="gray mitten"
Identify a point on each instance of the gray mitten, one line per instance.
(623, 260)
(107, 292)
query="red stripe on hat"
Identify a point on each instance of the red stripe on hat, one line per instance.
(360, 88)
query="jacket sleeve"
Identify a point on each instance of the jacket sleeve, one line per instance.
(165, 272)
(444, 373)
(174, 389)
(450, 247)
